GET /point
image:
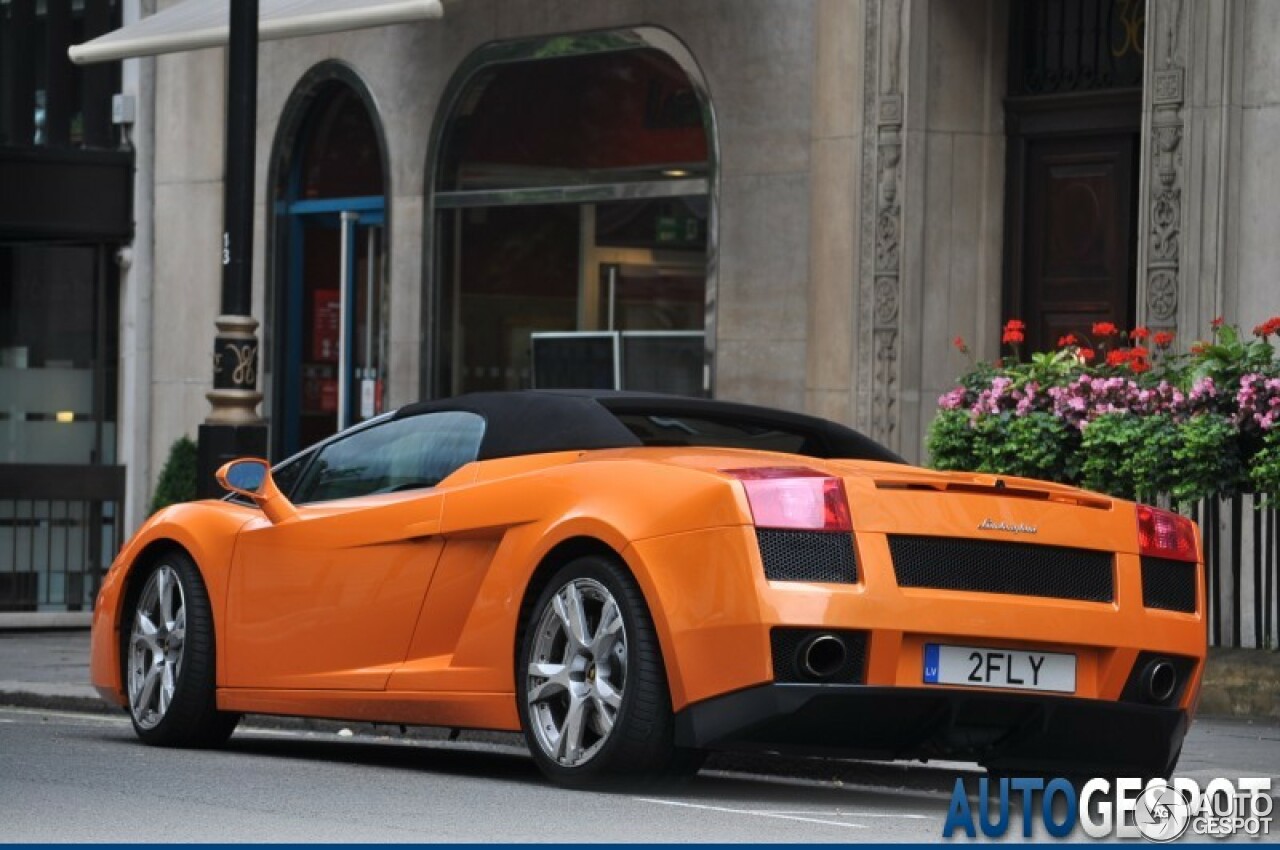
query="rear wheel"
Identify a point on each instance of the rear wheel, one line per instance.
(590, 682)
(169, 658)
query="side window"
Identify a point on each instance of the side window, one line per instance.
(286, 475)
(402, 454)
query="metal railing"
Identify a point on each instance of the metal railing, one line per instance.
(1241, 561)
(60, 526)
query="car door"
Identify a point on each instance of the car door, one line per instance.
(329, 600)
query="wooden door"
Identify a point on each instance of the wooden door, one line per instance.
(1072, 231)
(1080, 235)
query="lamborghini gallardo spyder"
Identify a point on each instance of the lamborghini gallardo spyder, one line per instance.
(634, 580)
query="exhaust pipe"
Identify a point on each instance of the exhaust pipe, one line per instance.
(1159, 681)
(823, 656)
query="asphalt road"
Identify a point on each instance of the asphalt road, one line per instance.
(84, 777)
(70, 777)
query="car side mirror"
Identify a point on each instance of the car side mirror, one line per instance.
(245, 476)
(251, 477)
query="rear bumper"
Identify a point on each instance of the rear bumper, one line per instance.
(1043, 735)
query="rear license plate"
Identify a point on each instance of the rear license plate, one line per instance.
(985, 667)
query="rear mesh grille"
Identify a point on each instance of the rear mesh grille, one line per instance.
(989, 566)
(825, 556)
(1169, 584)
(788, 642)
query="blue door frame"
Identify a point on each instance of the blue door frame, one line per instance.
(301, 215)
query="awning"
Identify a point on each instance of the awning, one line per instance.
(193, 24)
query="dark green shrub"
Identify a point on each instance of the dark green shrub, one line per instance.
(177, 482)
(1207, 458)
(951, 445)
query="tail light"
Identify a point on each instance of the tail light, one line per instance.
(795, 498)
(1162, 534)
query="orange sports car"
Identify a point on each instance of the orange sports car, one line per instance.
(633, 580)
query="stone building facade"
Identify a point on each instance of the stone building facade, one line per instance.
(855, 206)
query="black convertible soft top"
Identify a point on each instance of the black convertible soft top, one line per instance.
(523, 422)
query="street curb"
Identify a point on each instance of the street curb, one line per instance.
(1242, 683)
(45, 620)
(50, 702)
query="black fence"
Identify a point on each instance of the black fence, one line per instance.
(1241, 570)
(60, 527)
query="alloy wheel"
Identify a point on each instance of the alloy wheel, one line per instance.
(577, 672)
(156, 646)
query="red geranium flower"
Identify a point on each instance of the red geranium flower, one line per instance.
(1199, 348)
(1139, 333)
(1118, 357)
(1105, 329)
(1087, 355)
(1068, 340)
(1163, 339)
(1268, 328)
(1216, 323)
(958, 342)
(1013, 332)
(1139, 365)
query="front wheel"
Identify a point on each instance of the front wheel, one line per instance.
(590, 681)
(169, 658)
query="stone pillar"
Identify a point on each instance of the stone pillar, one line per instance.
(930, 208)
(1160, 214)
(876, 409)
(835, 157)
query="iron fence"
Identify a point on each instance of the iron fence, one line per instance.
(60, 525)
(1241, 558)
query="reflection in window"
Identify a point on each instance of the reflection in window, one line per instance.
(57, 362)
(572, 197)
(404, 454)
(45, 99)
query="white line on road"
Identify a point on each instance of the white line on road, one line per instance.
(752, 812)
(894, 815)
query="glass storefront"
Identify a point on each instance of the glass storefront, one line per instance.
(330, 332)
(57, 341)
(573, 214)
(59, 489)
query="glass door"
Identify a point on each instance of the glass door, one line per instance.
(335, 339)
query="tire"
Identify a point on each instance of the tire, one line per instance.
(168, 657)
(593, 698)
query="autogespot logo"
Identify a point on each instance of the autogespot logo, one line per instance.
(1159, 811)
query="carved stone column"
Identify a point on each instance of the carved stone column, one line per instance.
(879, 292)
(1161, 215)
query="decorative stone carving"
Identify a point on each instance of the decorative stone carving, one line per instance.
(1164, 170)
(1166, 87)
(879, 290)
(886, 302)
(884, 387)
(1162, 297)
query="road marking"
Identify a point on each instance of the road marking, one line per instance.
(894, 815)
(752, 813)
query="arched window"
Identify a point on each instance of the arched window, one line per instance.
(329, 328)
(574, 225)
